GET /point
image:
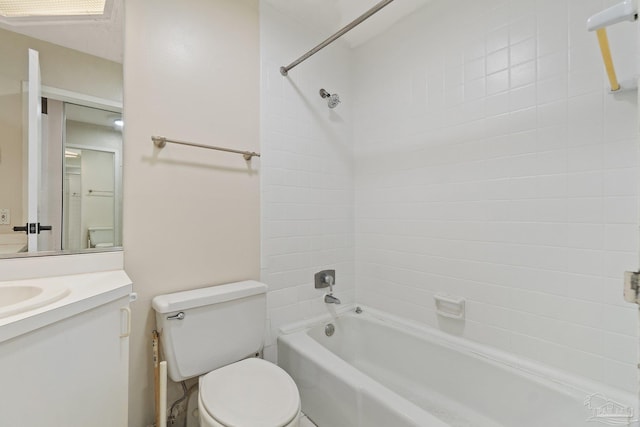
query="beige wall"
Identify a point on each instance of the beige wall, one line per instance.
(10, 151)
(61, 67)
(191, 216)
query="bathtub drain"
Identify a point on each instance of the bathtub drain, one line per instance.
(329, 329)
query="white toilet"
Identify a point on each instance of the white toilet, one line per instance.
(215, 331)
(100, 237)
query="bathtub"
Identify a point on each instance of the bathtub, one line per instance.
(380, 370)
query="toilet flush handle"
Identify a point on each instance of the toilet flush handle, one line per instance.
(178, 316)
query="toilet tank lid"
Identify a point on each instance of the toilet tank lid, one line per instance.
(101, 228)
(206, 296)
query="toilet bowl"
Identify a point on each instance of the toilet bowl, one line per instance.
(252, 393)
(212, 333)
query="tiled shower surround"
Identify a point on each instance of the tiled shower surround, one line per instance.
(307, 172)
(477, 152)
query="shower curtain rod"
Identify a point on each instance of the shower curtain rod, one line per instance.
(285, 70)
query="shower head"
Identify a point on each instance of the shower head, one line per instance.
(332, 100)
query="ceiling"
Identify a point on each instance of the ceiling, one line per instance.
(331, 15)
(79, 113)
(104, 37)
(101, 37)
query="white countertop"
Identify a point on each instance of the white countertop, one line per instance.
(12, 243)
(87, 291)
(12, 248)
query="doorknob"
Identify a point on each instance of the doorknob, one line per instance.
(33, 228)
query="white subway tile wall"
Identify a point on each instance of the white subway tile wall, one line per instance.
(307, 172)
(493, 164)
(476, 152)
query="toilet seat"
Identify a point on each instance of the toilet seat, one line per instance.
(251, 392)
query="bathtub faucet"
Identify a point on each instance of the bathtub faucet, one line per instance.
(330, 299)
(324, 279)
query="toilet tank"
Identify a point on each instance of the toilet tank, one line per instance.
(219, 325)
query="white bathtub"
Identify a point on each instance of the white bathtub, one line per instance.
(378, 370)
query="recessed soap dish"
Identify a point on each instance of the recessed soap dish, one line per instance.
(449, 306)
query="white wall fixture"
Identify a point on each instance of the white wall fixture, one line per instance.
(449, 306)
(5, 216)
(625, 11)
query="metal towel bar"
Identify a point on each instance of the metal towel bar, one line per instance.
(161, 141)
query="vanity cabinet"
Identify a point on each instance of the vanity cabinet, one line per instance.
(71, 373)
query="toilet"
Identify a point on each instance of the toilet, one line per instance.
(100, 237)
(215, 334)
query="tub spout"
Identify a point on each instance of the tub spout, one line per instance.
(330, 299)
(326, 279)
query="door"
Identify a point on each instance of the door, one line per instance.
(34, 127)
(33, 161)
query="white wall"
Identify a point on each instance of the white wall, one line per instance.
(492, 164)
(191, 216)
(307, 171)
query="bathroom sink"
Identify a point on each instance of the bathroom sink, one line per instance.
(16, 299)
(10, 295)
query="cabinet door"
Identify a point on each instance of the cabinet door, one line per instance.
(73, 373)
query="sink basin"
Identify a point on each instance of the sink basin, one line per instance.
(16, 299)
(10, 295)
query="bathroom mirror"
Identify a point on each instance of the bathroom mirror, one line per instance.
(63, 193)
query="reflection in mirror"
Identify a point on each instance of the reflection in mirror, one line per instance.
(91, 203)
(91, 77)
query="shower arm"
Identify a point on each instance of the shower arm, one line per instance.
(285, 70)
